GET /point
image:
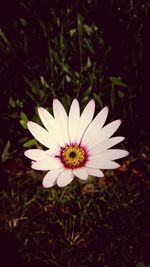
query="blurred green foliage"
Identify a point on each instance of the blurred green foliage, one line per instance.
(61, 52)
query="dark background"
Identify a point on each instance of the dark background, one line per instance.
(126, 30)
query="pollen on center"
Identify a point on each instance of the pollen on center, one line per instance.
(73, 156)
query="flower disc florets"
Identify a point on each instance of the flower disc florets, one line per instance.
(73, 156)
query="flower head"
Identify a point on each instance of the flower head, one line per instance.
(77, 145)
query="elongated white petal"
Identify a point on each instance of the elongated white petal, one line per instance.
(53, 152)
(50, 124)
(46, 118)
(73, 121)
(35, 154)
(45, 138)
(102, 146)
(65, 178)
(61, 119)
(95, 126)
(51, 178)
(46, 164)
(112, 154)
(95, 172)
(81, 173)
(105, 133)
(85, 119)
(97, 162)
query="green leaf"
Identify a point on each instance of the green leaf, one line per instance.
(72, 32)
(29, 143)
(23, 116)
(80, 31)
(113, 97)
(23, 140)
(5, 153)
(89, 45)
(88, 29)
(33, 85)
(88, 64)
(12, 103)
(23, 123)
(121, 94)
(29, 94)
(118, 81)
(98, 99)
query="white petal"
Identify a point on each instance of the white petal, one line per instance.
(81, 173)
(98, 162)
(85, 119)
(46, 118)
(35, 154)
(51, 178)
(105, 133)
(65, 178)
(112, 154)
(53, 152)
(73, 121)
(95, 126)
(50, 124)
(95, 172)
(46, 164)
(100, 147)
(45, 138)
(61, 119)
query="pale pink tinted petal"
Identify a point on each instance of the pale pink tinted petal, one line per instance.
(73, 121)
(46, 164)
(100, 147)
(46, 118)
(50, 124)
(44, 137)
(85, 119)
(95, 172)
(61, 119)
(105, 133)
(65, 178)
(112, 154)
(95, 126)
(81, 173)
(98, 162)
(53, 152)
(35, 154)
(51, 178)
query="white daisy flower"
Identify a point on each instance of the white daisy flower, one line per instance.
(77, 145)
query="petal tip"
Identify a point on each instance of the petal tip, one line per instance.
(75, 100)
(117, 166)
(93, 101)
(40, 109)
(29, 124)
(25, 153)
(44, 185)
(55, 99)
(127, 154)
(106, 109)
(118, 122)
(102, 174)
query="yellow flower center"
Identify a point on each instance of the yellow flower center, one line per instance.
(73, 156)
